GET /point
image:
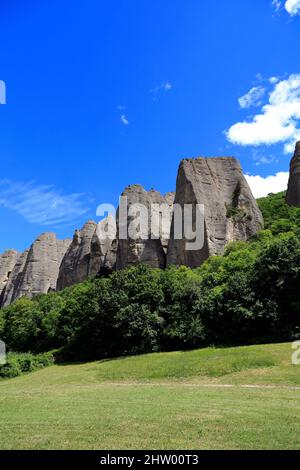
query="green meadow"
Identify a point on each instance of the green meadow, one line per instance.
(233, 398)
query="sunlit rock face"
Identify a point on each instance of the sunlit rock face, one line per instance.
(91, 251)
(230, 210)
(218, 184)
(151, 248)
(293, 192)
(36, 270)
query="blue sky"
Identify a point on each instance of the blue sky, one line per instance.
(103, 94)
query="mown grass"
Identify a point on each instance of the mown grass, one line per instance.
(158, 401)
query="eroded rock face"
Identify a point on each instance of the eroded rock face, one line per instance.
(75, 265)
(89, 253)
(12, 287)
(293, 192)
(103, 247)
(7, 264)
(230, 210)
(230, 213)
(150, 247)
(36, 270)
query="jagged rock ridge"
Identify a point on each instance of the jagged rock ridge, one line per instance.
(231, 213)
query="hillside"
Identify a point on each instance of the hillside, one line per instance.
(278, 216)
(238, 398)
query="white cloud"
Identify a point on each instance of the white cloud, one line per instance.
(42, 204)
(276, 4)
(277, 122)
(164, 86)
(261, 187)
(292, 7)
(124, 120)
(167, 86)
(252, 98)
(2, 92)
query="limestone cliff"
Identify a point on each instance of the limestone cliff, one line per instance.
(7, 264)
(149, 248)
(89, 253)
(141, 232)
(230, 210)
(12, 288)
(293, 192)
(36, 271)
(75, 264)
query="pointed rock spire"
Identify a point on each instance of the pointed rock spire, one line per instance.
(293, 192)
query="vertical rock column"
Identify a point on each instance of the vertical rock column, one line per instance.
(151, 248)
(293, 192)
(7, 263)
(230, 210)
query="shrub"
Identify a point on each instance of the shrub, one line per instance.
(18, 363)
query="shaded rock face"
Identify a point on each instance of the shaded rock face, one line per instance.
(149, 248)
(103, 247)
(12, 287)
(89, 252)
(230, 210)
(7, 264)
(293, 192)
(36, 270)
(76, 262)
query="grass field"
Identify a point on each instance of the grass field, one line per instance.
(237, 398)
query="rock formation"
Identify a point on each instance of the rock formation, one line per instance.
(146, 246)
(293, 192)
(230, 210)
(76, 262)
(39, 272)
(7, 264)
(36, 270)
(103, 247)
(141, 231)
(89, 253)
(11, 291)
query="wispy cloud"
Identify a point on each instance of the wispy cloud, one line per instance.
(261, 187)
(2, 92)
(124, 120)
(291, 6)
(41, 204)
(263, 159)
(278, 121)
(277, 4)
(252, 98)
(164, 86)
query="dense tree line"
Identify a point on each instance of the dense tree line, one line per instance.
(249, 295)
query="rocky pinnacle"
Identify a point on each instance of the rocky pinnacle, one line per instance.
(293, 192)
